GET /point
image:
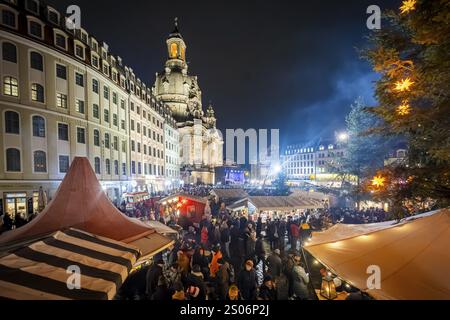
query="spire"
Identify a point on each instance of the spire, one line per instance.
(176, 32)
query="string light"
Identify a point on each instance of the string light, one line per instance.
(407, 6)
(403, 85)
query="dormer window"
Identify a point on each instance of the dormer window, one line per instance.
(53, 16)
(95, 61)
(60, 40)
(94, 45)
(105, 68)
(79, 50)
(9, 18)
(35, 29)
(32, 6)
(84, 37)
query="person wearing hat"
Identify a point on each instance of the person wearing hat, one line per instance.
(152, 278)
(247, 281)
(267, 291)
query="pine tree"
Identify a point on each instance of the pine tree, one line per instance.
(412, 54)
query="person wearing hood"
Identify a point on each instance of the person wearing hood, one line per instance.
(152, 278)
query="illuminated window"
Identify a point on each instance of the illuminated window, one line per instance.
(173, 50)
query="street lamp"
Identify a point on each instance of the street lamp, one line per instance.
(343, 136)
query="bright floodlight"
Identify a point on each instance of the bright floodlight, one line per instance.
(343, 136)
(277, 169)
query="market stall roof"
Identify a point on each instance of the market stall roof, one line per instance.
(231, 193)
(344, 231)
(39, 270)
(278, 203)
(81, 203)
(184, 196)
(413, 258)
(160, 227)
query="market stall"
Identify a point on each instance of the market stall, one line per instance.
(412, 257)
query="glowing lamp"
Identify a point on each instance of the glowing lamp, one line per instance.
(184, 201)
(328, 288)
(404, 109)
(378, 181)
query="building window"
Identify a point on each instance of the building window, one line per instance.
(63, 132)
(79, 51)
(108, 166)
(38, 127)
(106, 92)
(81, 136)
(61, 100)
(107, 140)
(95, 112)
(61, 71)
(96, 138)
(32, 6)
(106, 115)
(124, 169)
(139, 168)
(97, 165)
(10, 87)
(133, 167)
(9, 52)
(35, 29)
(79, 106)
(53, 16)
(116, 167)
(12, 122)
(114, 97)
(115, 120)
(122, 104)
(133, 145)
(79, 79)
(116, 143)
(12, 160)
(9, 18)
(37, 92)
(40, 161)
(124, 146)
(122, 124)
(132, 125)
(36, 61)
(63, 164)
(95, 61)
(61, 41)
(95, 86)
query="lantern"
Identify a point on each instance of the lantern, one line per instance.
(328, 289)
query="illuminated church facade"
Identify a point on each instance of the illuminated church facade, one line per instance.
(201, 145)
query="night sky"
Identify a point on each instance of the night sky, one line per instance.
(288, 65)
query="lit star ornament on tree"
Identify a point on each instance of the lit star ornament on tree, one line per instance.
(407, 6)
(403, 85)
(378, 181)
(404, 109)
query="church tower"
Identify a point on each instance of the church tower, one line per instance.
(176, 49)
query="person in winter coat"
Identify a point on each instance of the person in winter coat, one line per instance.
(251, 245)
(225, 238)
(214, 266)
(152, 278)
(267, 291)
(274, 264)
(201, 259)
(281, 234)
(259, 226)
(183, 263)
(247, 281)
(223, 279)
(300, 281)
(162, 291)
(196, 280)
(295, 234)
(204, 236)
(173, 276)
(260, 252)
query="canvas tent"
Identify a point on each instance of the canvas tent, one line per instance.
(276, 203)
(413, 258)
(39, 271)
(81, 203)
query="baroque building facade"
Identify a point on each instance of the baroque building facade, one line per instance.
(201, 145)
(63, 95)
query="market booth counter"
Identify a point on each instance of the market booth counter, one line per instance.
(185, 205)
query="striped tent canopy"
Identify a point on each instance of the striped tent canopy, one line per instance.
(41, 269)
(81, 203)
